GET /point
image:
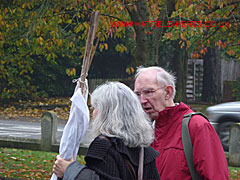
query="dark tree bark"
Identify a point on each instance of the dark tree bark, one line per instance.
(212, 87)
(147, 38)
(139, 13)
(180, 67)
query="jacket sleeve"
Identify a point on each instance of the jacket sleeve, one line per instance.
(76, 171)
(87, 174)
(73, 170)
(208, 154)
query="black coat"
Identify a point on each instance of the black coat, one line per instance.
(106, 158)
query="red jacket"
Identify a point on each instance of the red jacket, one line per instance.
(208, 155)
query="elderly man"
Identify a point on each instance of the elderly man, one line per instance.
(155, 89)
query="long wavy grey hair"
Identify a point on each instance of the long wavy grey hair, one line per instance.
(120, 114)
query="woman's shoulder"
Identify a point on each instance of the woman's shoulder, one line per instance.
(150, 154)
(99, 147)
(102, 146)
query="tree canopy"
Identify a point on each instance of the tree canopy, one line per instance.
(35, 31)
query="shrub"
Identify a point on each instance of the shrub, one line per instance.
(236, 89)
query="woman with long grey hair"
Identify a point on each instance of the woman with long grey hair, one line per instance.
(120, 127)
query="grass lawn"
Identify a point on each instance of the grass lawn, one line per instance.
(26, 164)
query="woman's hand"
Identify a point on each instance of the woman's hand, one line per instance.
(60, 166)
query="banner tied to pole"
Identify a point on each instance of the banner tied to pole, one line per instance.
(78, 120)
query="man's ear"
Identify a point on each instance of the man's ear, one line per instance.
(169, 92)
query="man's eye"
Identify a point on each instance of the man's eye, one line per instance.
(138, 93)
(147, 92)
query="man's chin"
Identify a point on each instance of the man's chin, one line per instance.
(153, 115)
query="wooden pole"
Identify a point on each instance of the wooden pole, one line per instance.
(89, 50)
(93, 51)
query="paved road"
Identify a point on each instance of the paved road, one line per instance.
(15, 128)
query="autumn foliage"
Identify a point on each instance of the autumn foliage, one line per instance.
(43, 41)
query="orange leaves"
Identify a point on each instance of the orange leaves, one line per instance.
(25, 164)
(182, 36)
(71, 72)
(26, 5)
(120, 48)
(154, 10)
(195, 55)
(220, 44)
(23, 71)
(1, 21)
(177, 5)
(203, 51)
(110, 32)
(198, 53)
(34, 109)
(231, 52)
(40, 40)
(1, 37)
(148, 32)
(71, 44)
(59, 42)
(169, 35)
(106, 46)
(209, 18)
(103, 46)
(130, 70)
(188, 44)
(181, 43)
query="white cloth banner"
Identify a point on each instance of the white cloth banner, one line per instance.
(75, 128)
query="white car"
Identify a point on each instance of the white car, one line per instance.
(222, 117)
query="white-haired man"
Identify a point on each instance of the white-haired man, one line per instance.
(155, 88)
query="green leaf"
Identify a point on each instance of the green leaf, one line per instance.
(48, 57)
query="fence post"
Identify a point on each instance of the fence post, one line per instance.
(234, 146)
(49, 123)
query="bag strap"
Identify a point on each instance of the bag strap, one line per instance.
(130, 168)
(140, 164)
(187, 144)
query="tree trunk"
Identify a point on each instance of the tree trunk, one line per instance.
(147, 38)
(212, 79)
(138, 14)
(180, 67)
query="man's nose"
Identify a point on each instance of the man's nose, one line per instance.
(143, 99)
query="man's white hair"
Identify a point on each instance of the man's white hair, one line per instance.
(163, 77)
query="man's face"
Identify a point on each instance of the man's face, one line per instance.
(150, 93)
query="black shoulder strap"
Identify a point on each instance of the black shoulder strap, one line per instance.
(130, 167)
(187, 144)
